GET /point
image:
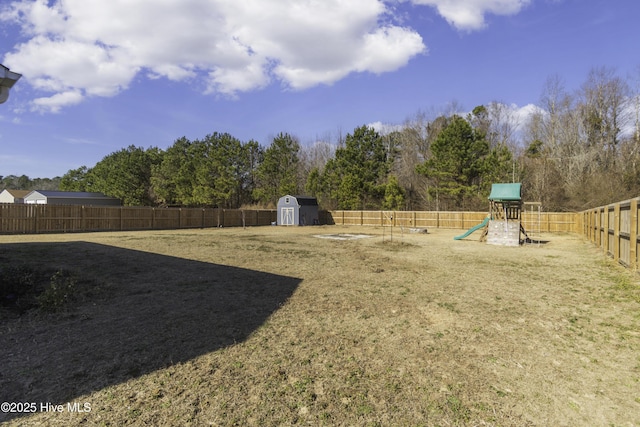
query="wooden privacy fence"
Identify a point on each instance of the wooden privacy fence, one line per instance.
(614, 228)
(32, 218)
(553, 222)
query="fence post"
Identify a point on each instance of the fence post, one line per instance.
(549, 222)
(616, 231)
(605, 237)
(599, 217)
(633, 234)
(588, 225)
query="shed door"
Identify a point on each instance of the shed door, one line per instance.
(286, 216)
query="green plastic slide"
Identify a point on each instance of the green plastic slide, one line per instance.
(472, 229)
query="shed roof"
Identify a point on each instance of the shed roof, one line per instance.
(302, 200)
(506, 192)
(306, 200)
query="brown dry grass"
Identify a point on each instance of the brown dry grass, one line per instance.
(272, 326)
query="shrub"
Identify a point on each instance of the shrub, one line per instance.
(61, 290)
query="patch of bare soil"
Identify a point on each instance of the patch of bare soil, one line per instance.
(273, 326)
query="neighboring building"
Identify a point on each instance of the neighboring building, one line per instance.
(13, 196)
(297, 210)
(43, 197)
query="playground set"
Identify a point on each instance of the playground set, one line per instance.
(503, 226)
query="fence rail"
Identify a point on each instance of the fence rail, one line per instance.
(614, 228)
(554, 222)
(32, 218)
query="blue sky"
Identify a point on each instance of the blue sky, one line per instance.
(99, 76)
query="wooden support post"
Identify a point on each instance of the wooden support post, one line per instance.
(605, 235)
(633, 233)
(616, 231)
(598, 228)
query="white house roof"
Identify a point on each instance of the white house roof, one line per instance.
(16, 193)
(69, 194)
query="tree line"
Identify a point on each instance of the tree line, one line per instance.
(577, 149)
(362, 171)
(23, 182)
(583, 146)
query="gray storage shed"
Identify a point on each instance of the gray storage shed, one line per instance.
(297, 210)
(45, 197)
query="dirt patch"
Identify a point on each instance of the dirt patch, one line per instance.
(342, 236)
(273, 326)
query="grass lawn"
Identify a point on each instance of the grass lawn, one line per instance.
(275, 326)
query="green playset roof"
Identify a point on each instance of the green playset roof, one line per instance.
(505, 192)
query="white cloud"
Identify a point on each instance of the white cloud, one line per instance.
(59, 65)
(632, 113)
(469, 14)
(523, 114)
(78, 141)
(388, 49)
(80, 48)
(385, 128)
(56, 102)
